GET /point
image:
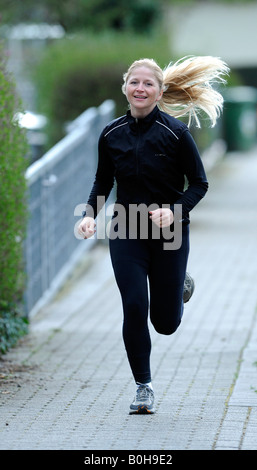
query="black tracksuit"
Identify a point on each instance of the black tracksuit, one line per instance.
(154, 160)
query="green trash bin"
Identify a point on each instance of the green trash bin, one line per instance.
(240, 117)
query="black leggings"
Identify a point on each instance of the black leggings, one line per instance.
(134, 262)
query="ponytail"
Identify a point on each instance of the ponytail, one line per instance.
(188, 88)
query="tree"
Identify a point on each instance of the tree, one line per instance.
(74, 15)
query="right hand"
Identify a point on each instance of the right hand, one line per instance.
(86, 227)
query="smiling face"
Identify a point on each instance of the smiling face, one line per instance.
(142, 91)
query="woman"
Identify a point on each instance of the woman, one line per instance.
(150, 153)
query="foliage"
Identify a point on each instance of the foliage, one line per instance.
(13, 209)
(12, 326)
(236, 2)
(81, 72)
(74, 15)
(94, 15)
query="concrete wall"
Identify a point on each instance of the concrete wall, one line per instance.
(226, 31)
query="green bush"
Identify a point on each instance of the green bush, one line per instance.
(13, 210)
(80, 72)
(93, 15)
(12, 326)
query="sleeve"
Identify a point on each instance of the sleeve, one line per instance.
(104, 180)
(193, 169)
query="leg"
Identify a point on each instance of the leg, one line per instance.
(130, 264)
(166, 280)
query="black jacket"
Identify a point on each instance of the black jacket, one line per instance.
(151, 159)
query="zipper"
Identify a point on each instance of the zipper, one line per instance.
(137, 145)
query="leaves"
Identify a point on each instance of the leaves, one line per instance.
(75, 15)
(12, 326)
(83, 71)
(13, 210)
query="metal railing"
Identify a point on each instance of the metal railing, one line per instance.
(57, 184)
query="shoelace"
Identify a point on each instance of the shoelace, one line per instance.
(187, 284)
(143, 393)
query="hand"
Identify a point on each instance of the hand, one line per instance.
(87, 227)
(162, 217)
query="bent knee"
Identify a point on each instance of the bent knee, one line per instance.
(168, 321)
(166, 329)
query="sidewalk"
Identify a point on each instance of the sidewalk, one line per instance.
(67, 385)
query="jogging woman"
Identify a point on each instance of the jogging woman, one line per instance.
(156, 164)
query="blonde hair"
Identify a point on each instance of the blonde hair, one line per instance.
(187, 86)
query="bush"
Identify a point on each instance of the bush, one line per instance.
(13, 209)
(12, 326)
(93, 15)
(81, 72)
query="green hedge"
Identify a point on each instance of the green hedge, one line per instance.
(80, 72)
(13, 210)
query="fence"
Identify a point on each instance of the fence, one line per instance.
(57, 183)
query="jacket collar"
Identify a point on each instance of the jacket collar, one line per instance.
(145, 122)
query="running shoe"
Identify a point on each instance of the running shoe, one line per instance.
(143, 402)
(189, 287)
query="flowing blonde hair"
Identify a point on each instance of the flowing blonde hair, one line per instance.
(187, 86)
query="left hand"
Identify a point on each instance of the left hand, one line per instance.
(162, 217)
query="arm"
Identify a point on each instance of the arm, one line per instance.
(193, 169)
(104, 179)
(102, 186)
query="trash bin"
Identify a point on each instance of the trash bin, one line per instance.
(240, 117)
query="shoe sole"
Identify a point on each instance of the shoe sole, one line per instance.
(141, 410)
(185, 300)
